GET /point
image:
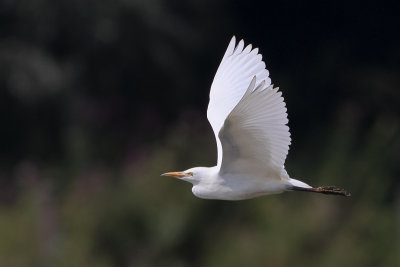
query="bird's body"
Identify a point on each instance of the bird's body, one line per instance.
(234, 186)
(249, 118)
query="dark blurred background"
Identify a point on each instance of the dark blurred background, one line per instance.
(98, 98)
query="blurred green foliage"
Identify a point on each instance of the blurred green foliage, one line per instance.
(133, 217)
(98, 98)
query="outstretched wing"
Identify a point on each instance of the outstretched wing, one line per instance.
(255, 138)
(238, 66)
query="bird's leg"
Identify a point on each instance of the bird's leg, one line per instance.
(329, 190)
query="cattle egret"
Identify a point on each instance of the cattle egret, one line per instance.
(248, 117)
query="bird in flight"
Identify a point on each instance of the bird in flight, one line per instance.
(248, 117)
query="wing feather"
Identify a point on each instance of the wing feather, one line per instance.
(255, 138)
(238, 66)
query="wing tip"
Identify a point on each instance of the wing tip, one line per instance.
(231, 48)
(233, 41)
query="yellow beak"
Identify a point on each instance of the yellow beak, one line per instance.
(175, 174)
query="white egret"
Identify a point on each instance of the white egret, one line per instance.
(248, 117)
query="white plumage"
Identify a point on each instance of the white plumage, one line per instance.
(248, 117)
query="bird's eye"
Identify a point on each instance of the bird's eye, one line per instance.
(190, 173)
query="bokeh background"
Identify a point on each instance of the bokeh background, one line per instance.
(98, 98)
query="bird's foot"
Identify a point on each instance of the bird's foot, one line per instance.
(330, 190)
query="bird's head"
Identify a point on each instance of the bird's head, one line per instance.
(192, 175)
